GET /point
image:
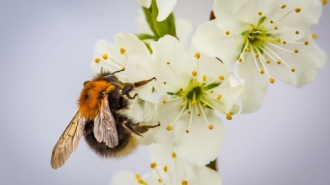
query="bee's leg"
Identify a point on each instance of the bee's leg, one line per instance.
(139, 129)
(118, 71)
(130, 86)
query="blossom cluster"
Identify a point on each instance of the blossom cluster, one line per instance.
(231, 61)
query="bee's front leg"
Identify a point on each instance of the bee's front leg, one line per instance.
(130, 86)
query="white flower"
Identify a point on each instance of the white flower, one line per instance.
(169, 169)
(194, 86)
(269, 39)
(165, 7)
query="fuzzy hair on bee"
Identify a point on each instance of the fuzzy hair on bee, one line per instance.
(102, 119)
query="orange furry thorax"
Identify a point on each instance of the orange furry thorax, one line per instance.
(91, 97)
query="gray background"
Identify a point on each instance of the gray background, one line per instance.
(45, 52)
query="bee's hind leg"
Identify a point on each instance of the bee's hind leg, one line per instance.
(139, 129)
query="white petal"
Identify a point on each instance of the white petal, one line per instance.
(183, 29)
(213, 41)
(124, 177)
(165, 7)
(201, 145)
(205, 175)
(144, 3)
(131, 44)
(226, 16)
(142, 25)
(256, 85)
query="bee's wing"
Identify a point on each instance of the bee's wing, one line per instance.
(105, 125)
(68, 141)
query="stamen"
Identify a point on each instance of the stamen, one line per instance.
(259, 13)
(279, 62)
(97, 60)
(204, 77)
(153, 165)
(324, 2)
(194, 73)
(221, 77)
(197, 55)
(271, 21)
(283, 6)
(227, 32)
(293, 70)
(229, 116)
(272, 80)
(262, 71)
(314, 36)
(165, 168)
(296, 51)
(211, 126)
(169, 127)
(122, 50)
(164, 101)
(298, 10)
(105, 56)
(173, 155)
(306, 43)
(297, 32)
(240, 59)
(184, 182)
(168, 63)
(219, 96)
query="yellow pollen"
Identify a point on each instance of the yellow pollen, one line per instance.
(212, 91)
(173, 155)
(211, 126)
(293, 70)
(259, 13)
(204, 77)
(181, 106)
(184, 182)
(284, 42)
(168, 63)
(229, 117)
(137, 176)
(105, 56)
(197, 55)
(193, 102)
(153, 165)
(283, 6)
(248, 49)
(97, 60)
(159, 180)
(169, 127)
(240, 59)
(257, 55)
(268, 61)
(278, 40)
(276, 27)
(314, 36)
(272, 80)
(262, 71)
(204, 105)
(165, 83)
(165, 168)
(221, 77)
(187, 131)
(219, 96)
(141, 181)
(227, 32)
(297, 32)
(164, 101)
(271, 21)
(194, 73)
(122, 50)
(306, 42)
(296, 51)
(279, 62)
(324, 2)
(298, 10)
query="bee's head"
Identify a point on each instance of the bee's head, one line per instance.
(91, 96)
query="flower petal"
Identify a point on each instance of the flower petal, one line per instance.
(165, 7)
(124, 177)
(145, 3)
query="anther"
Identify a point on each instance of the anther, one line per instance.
(194, 73)
(169, 127)
(324, 2)
(314, 36)
(296, 51)
(293, 70)
(272, 80)
(259, 13)
(204, 105)
(279, 62)
(306, 42)
(227, 32)
(165, 168)
(212, 91)
(267, 61)
(298, 10)
(297, 32)
(278, 40)
(229, 117)
(262, 71)
(284, 42)
(276, 27)
(184, 182)
(219, 96)
(187, 131)
(211, 126)
(221, 77)
(193, 102)
(105, 56)
(240, 59)
(137, 176)
(173, 155)
(153, 165)
(248, 49)
(197, 55)
(283, 6)
(97, 60)
(271, 21)
(181, 106)
(204, 77)
(122, 50)
(168, 63)
(165, 83)
(164, 101)
(257, 55)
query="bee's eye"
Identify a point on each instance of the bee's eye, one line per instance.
(85, 83)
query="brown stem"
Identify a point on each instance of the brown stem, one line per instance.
(213, 165)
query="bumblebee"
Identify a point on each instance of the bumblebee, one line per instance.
(102, 120)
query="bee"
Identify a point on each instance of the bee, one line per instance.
(102, 120)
